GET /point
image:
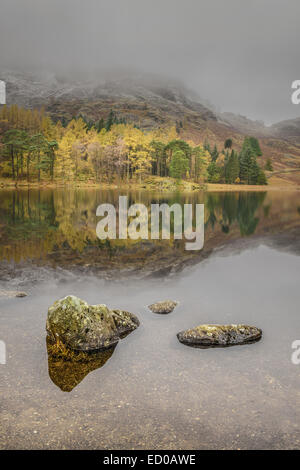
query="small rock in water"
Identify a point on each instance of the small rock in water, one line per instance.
(21, 294)
(206, 336)
(84, 327)
(12, 293)
(166, 306)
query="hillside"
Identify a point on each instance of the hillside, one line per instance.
(148, 101)
(151, 101)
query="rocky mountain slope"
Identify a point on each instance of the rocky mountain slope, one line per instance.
(145, 100)
(151, 101)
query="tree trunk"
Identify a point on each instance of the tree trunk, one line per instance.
(12, 162)
(28, 164)
(52, 170)
(22, 166)
(39, 169)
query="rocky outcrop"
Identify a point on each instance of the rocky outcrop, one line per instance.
(83, 327)
(166, 306)
(206, 336)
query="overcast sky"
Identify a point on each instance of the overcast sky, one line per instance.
(242, 55)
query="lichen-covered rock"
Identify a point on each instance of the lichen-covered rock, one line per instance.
(206, 336)
(166, 306)
(125, 322)
(84, 327)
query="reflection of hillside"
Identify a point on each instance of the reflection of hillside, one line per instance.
(58, 227)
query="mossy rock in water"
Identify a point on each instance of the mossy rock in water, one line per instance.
(166, 306)
(84, 327)
(67, 368)
(205, 336)
(125, 322)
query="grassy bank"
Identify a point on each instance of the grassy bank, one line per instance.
(153, 183)
(248, 187)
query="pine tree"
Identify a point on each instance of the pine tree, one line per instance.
(254, 144)
(262, 179)
(179, 165)
(213, 172)
(268, 165)
(214, 154)
(15, 143)
(100, 125)
(110, 120)
(228, 144)
(247, 160)
(38, 148)
(232, 168)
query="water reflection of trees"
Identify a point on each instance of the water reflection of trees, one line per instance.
(226, 209)
(39, 223)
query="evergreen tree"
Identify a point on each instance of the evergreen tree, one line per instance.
(232, 168)
(268, 165)
(199, 163)
(261, 179)
(38, 148)
(48, 159)
(206, 146)
(175, 145)
(214, 154)
(110, 120)
(213, 172)
(158, 158)
(100, 125)
(247, 163)
(179, 165)
(250, 172)
(254, 144)
(228, 144)
(15, 142)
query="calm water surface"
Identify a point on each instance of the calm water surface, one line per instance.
(153, 392)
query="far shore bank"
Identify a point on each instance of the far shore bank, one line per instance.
(247, 187)
(161, 185)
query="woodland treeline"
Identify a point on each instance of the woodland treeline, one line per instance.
(34, 148)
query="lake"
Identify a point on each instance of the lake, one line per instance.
(152, 392)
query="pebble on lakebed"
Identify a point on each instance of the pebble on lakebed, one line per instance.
(12, 293)
(83, 327)
(206, 336)
(166, 306)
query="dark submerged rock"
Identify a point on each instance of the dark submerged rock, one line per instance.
(205, 336)
(166, 306)
(83, 327)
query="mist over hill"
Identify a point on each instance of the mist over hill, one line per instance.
(146, 100)
(149, 101)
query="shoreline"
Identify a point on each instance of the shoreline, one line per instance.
(245, 187)
(188, 186)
